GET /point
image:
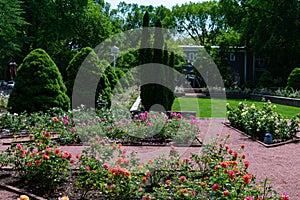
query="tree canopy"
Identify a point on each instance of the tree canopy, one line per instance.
(268, 28)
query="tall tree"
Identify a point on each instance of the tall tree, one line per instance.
(270, 28)
(145, 57)
(64, 27)
(11, 24)
(200, 21)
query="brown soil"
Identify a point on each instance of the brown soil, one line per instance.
(279, 164)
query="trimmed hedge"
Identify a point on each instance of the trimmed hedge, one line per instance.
(294, 79)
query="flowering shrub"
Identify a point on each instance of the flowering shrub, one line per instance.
(13, 122)
(217, 173)
(3, 100)
(154, 126)
(182, 129)
(282, 92)
(108, 171)
(115, 178)
(257, 122)
(41, 163)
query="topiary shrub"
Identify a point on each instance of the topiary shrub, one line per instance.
(265, 80)
(122, 78)
(130, 78)
(103, 92)
(293, 81)
(113, 79)
(38, 85)
(93, 69)
(73, 68)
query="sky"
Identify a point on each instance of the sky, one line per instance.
(166, 3)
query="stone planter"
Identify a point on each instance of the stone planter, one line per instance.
(277, 99)
(296, 139)
(193, 90)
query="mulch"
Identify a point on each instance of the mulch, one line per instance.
(280, 164)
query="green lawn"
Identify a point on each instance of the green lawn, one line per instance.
(216, 108)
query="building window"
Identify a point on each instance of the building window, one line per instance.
(260, 61)
(191, 56)
(232, 57)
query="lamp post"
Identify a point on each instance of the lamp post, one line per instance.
(114, 52)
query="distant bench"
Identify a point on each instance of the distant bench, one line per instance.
(135, 109)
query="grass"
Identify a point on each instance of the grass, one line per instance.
(216, 108)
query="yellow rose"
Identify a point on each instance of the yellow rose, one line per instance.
(23, 197)
(63, 198)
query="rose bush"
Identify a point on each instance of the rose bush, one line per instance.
(217, 173)
(114, 177)
(41, 164)
(257, 122)
(108, 170)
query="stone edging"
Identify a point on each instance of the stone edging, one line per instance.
(296, 140)
(277, 99)
(21, 192)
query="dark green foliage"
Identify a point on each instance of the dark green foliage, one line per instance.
(11, 25)
(38, 86)
(128, 60)
(92, 70)
(103, 97)
(103, 90)
(220, 59)
(294, 79)
(159, 92)
(130, 78)
(171, 81)
(73, 68)
(122, 78)
(112, 79)
(266, 79)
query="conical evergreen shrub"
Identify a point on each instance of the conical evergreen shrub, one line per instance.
(73, 68)
(38, 85)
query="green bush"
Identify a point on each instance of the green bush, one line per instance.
(266, 79)
(93, 69)
(257, 121)
(113, 79)
(39, 85)
(103, 97)
(122, 78)
(294, 79)
(73, 68)
(130, 78)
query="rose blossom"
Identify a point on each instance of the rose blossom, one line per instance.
(182, 178)
(215, 187)
(23, 197)
(226, 193)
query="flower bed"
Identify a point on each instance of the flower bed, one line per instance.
(258, 122)
(109, 171)
(106, 170)
(79, 125)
